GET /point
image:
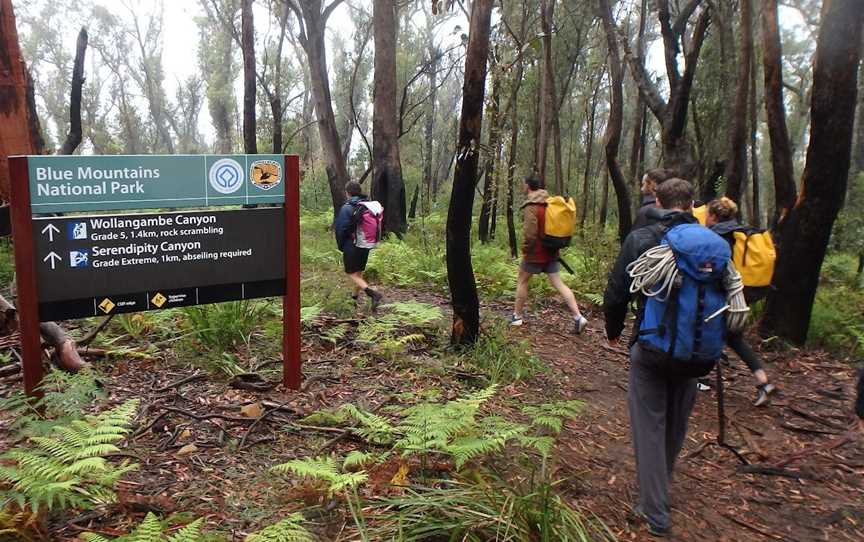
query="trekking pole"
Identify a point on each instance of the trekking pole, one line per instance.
(721, 418)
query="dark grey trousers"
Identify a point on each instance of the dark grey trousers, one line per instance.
(660, 407)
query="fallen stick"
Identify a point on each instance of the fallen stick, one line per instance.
(87, 339)
(10, 370)
(753, 528)
(186, 380)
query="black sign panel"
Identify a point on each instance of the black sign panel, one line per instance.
(98, 265)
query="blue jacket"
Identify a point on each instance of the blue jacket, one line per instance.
(344, 225)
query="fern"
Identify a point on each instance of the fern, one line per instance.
(152, 530)
(552, 415)
(68, 467)
(357, 458)
(287, 530)
(66, 395)
(309, 314)
(323, 469)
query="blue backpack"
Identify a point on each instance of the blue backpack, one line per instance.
(689, 324)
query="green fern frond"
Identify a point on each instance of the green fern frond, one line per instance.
(189, 533)
(552, 415)
(356, 458)
(67, 468)
(287, 530)
(322, 468)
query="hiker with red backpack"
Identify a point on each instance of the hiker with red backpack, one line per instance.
(687, 296)
(538, 257)
(358, 230)
(721, 218)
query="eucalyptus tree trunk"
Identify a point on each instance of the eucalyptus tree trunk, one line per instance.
(387, 184)
(589, 150)
(313, 16)
(756, 218)
(805, 231)
(460, 273)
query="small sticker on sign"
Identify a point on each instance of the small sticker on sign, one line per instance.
(106, 306)
(265, 174)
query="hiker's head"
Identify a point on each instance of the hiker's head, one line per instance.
(353, 188)
(531, 183)
(721, 210)
(653, 178)
(675, 194)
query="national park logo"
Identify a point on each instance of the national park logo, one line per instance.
(265, 174)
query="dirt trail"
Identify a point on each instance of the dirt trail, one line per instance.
(819, 495)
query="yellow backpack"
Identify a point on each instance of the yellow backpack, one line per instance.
(754, 256)
(701, 213)
(560, 222)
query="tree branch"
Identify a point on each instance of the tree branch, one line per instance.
(684, 16)
(73, 138)
(681, 97)
(647, 88)
(329, 9)
(670, 43)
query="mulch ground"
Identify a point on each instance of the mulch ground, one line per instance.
(806, 467)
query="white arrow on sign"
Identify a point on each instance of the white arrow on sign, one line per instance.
(53, 257)
(51, 229)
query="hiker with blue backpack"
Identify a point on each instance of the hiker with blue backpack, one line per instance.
(687, 295)
(358, 230)
(540, 247)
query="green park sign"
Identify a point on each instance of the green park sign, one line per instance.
(71, 262)
(64, 184)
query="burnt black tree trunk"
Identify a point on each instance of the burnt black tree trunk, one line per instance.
(460, 273)
(250, 143)
(805, 232)
(614, 127)
(73, 138)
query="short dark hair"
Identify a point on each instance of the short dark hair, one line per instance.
(660, 174)
(353, 188)
(675, 193)
(534, 181)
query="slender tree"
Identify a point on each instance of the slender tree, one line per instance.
(489, 188)
(805, 231)
(612, 137)
(781, 149)
(736, 165)
(460, 273)
(250, 138)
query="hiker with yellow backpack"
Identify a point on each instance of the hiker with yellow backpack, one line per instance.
(753, 255)
(548, 224)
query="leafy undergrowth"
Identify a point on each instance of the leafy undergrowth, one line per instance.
(387, 412)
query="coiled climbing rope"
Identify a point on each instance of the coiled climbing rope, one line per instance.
(655, 274)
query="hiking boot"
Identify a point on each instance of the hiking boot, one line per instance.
(762, 396)
(516, 320)
(653, 530)
(580, 324)
(375, 297)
